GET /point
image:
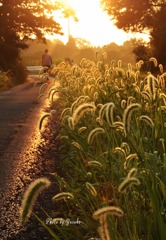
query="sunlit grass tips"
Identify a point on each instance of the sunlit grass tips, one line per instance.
(63, 196)
(81, 110)
(30, 197)
(116, 211)
(94, 133)
(91, 189)
(128, 113)
(128, 182)
(42, 119)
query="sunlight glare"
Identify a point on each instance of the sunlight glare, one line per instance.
(93, 24)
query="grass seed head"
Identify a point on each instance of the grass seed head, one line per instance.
(128, 182)
(77, 145)
(82, 129)
(103, 229)
(71, 123)
(121, 151)
(63, 196)
(91, 189)
(94, 164)
(94, 133)
(132, 173)
(128, 113)
(151, 83)
(30, 197)
(123, 104)
(109, 113)
(129, 158)
(126, 147)
(161, 68)
(154, 60)
(64, 112)
(147, 119)
(116, 211)
(81, 110)
(146, 95)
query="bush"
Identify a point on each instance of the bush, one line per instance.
(5, 81)
(18, 73)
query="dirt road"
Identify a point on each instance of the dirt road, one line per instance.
(21, 153)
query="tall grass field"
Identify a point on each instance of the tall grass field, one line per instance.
(113, 153)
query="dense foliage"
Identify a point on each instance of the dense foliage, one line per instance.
(76, 49)
(112, 149)
(21, 20)
(139, 16)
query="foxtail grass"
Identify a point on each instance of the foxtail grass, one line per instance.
(31, 196)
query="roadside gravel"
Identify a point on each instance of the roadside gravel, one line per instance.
(31, 154)
(38, 161)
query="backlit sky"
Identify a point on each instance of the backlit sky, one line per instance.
(94, 25)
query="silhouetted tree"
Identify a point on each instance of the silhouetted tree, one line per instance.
(138, 16)
(71, 48)
(22, 20)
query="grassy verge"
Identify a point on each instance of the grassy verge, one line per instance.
(112, 146)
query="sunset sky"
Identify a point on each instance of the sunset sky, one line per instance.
(94, 25)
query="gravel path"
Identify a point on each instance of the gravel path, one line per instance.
(25, 154)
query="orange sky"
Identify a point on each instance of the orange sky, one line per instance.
(94, 25)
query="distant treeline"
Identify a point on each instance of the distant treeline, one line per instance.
(76, 49)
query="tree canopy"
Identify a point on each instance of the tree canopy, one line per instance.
(140, 16)
(27, 18)
(22, 20)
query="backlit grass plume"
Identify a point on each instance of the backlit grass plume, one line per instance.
(132, 173)
(44, 77)
(163, 96)
(94, 133)
(77, 145)
(119, 63)
(152, 83)
(109, 113)
(161, 68)
(63, 196)
(121, 151)
(146, 95)
(128, 113)
(82, 129)
(64, 112)
(123, 103)
(78, 102)
(103, 229)
(120, 127)
(81, 110)
(42, 88)
(94, 163)
(102, 111)
(30, 197)
(42, 71)
(154, 60)
(71, 123)
(130, 100)
(109, 210)
(42, 119)
(126, 147)
(128, 182)
(91, 189)
(129, 159)
(139, 64)
(147, 119)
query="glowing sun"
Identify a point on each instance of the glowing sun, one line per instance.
(93, 24)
